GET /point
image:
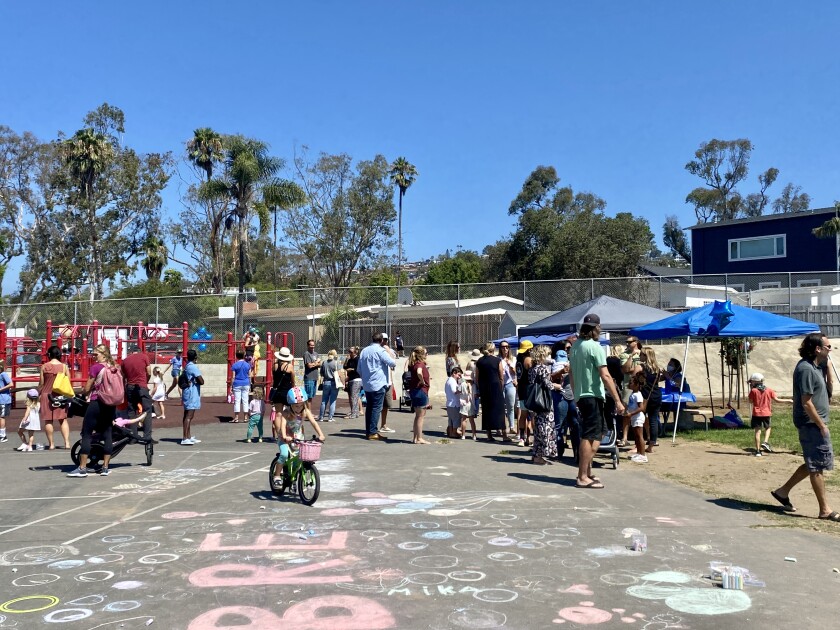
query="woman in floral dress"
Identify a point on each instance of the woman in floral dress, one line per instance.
(545, 437)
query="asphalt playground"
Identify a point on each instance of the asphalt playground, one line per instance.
(455, 534)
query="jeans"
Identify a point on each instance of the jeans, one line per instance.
(373, 409)
(328, 397)
(311, 388)
(137, 395)
(510, 406)
(353, 389)
(240, 398)
(561, 410)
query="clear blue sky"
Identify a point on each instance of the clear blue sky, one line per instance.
(616, 95)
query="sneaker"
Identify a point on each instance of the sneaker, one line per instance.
(386, 430)
(374, 437)
(766, 447)
(521, 442)
(758, 453)
(23, 447)
(463, 437)
(104, 472)
(77, 472)
(260, 440)
(639, 459)
(195, 440)
(187, 442)
(3, 438)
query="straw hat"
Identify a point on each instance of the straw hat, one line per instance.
(476, 354)
(284, 354)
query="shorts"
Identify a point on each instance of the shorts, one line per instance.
(388, 401)
(637, 420)
(454, 416)
(4, 410)
(593, 423)
(816, 449)
(310, 387)
(760, 422)
(419, 398)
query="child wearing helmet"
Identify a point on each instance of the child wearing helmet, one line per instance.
(761, 398)
(291, 421)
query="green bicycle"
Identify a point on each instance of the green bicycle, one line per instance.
(298, 469)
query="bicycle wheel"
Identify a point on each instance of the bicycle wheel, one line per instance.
(277, 476)
(150, 451)
(309, 483)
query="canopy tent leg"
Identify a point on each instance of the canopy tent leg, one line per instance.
(709, 376)
(682, 386)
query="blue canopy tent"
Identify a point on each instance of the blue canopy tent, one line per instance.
(722, 319)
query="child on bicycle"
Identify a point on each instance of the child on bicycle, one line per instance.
(291, 422)
(31, 421)
(256, 409)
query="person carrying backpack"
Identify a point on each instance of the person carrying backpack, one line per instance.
(101, 409)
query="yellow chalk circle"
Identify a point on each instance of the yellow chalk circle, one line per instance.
(52, 601)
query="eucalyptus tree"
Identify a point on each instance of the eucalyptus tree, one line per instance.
(402, 174)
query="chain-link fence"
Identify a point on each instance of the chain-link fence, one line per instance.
(431, 315)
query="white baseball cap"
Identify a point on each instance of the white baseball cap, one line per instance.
(756, 377)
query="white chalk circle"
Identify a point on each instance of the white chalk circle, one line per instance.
(529, 535)
(501, 541)
(504, 517)
(106, 558)
(561, 531)
(66, 615)
(427, 578)
(433, 535)
(127, 585)
(65, 564)
(560, 544)
(434, 562)
(653, 591)
(159, 558)
(464, 522)
(670, 577)
(529, 544)
(413, 546)
(505, 556)
(577, 563)
(495, 595)
(444, 512)
(469, 547)
(121, 538)
(123, 606)
(466, 576)
(177, 596)
(477, 618)
(141, 546)
(425, 525)
(87, 600)
(36, 579)
(139, 570)
(373, 534)
(94, 576)
(618, 579)
(28, 556)
(487, 533)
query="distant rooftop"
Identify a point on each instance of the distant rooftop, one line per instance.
(764, 217)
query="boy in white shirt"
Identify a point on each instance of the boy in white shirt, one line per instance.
(453, 403)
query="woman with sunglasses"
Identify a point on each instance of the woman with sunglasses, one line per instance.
(509, 365)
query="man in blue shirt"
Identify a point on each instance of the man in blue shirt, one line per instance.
(374, 363)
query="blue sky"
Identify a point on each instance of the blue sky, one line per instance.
(616, 95)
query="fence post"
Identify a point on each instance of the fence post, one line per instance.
(387, 311)
(726, 286)
(524, 307)
(660, 294)
(592, 288)
(313, 312)
(458, 316)
(441, 333)
(790, 294)
(75, 313)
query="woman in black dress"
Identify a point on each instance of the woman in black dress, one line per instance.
(491, 385)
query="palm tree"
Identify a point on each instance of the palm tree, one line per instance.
(402, 173)
(281, 194)
(156, 257)
(249, 170)
(205, 150)
(87, 154)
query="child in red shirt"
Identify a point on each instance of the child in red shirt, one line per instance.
(761, 398)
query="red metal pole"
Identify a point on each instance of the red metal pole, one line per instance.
(95, 333)
(141, 343)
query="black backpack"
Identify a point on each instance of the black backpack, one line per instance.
(183, 380)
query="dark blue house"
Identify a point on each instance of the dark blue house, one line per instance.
(775, 243)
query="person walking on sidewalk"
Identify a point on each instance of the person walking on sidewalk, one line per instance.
(191, 397)
(812, 387)
(374, 363)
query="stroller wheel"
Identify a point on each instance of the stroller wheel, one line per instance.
(150, 451)
(74, 452)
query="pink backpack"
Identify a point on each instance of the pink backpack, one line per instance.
(109, 386)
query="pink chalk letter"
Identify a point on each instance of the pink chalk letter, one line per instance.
(266, 542)
(252, 575)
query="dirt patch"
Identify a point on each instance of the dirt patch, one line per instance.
(740, 480)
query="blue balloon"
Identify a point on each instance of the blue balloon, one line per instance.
(209, 336)
(202, 329)
(202, 347)
(194, 336)
(721, 315)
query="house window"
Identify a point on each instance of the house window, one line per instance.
(769, 285)
(736, 287)
(756, 248)
(807, 283)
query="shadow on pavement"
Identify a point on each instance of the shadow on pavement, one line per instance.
(750, 506)
(562, 481)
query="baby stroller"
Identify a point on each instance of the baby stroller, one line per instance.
(405, 398)
(120, 438)
(609, 443)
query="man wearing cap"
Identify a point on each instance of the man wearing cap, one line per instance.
(388, 401)
(137, 370)
(374, 365)
(590, 382)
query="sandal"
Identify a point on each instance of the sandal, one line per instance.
(787, 506)
(539, 461)
(834, 516)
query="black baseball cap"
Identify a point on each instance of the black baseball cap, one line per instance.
(592, 320)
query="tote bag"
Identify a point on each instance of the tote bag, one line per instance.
(62, 385)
